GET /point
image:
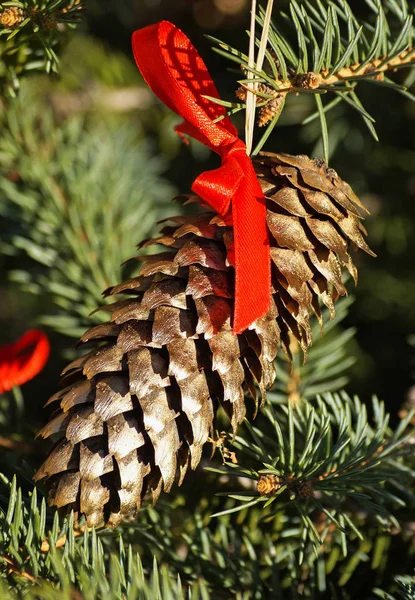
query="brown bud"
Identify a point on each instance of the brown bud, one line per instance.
(308, 81)
(48, 22)
(303, 489)
(272, 106)
(270, 110)
(268, 484)
(12, 17)
(241, 93)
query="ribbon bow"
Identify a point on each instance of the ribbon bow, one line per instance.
(176, 73)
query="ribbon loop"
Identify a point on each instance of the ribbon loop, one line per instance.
(173, 69)
(219, 186)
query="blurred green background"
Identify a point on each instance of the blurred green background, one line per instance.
(100, 99)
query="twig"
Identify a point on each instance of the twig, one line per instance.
(374, 68)
(13, 568)
(253, 86)
(305, 82)
(25, 447)
(294, 379)
(45, 547)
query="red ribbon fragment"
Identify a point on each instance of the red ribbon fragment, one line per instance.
(23, 360)
(176, 73)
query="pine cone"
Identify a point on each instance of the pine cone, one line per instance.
(137, 410)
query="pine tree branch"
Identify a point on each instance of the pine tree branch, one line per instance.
(332, 53)
(324, 80)
(13, 568)
(223, 558)
(325, 458)
(16, 445)
(327, 363)
(74, 563)
(405, 589)
(30, 34)
(54, 216)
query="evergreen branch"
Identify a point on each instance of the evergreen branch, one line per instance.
(327, 457)
(226, 558)
(405, 589)
(334, 54)
(328, 360)
(56, 220)
(57, 567)
(30, 32)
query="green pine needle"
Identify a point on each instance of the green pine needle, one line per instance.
(343, 52)
(328, 455)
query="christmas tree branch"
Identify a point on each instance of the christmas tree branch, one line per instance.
(30, 32)
(325, 459)
(405, 589)
(331, 52)
(56, 219)
(60, 567)
(328, 360)
(223, 557)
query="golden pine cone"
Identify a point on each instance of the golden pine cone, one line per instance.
(136, 411)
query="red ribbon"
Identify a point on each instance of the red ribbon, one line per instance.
(22, 360)
(173, 69)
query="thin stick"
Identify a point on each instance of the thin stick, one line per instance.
(45, 547)
(252, 86)
(15, 445)
(250, 96)
(264, 36)
(15, 569)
